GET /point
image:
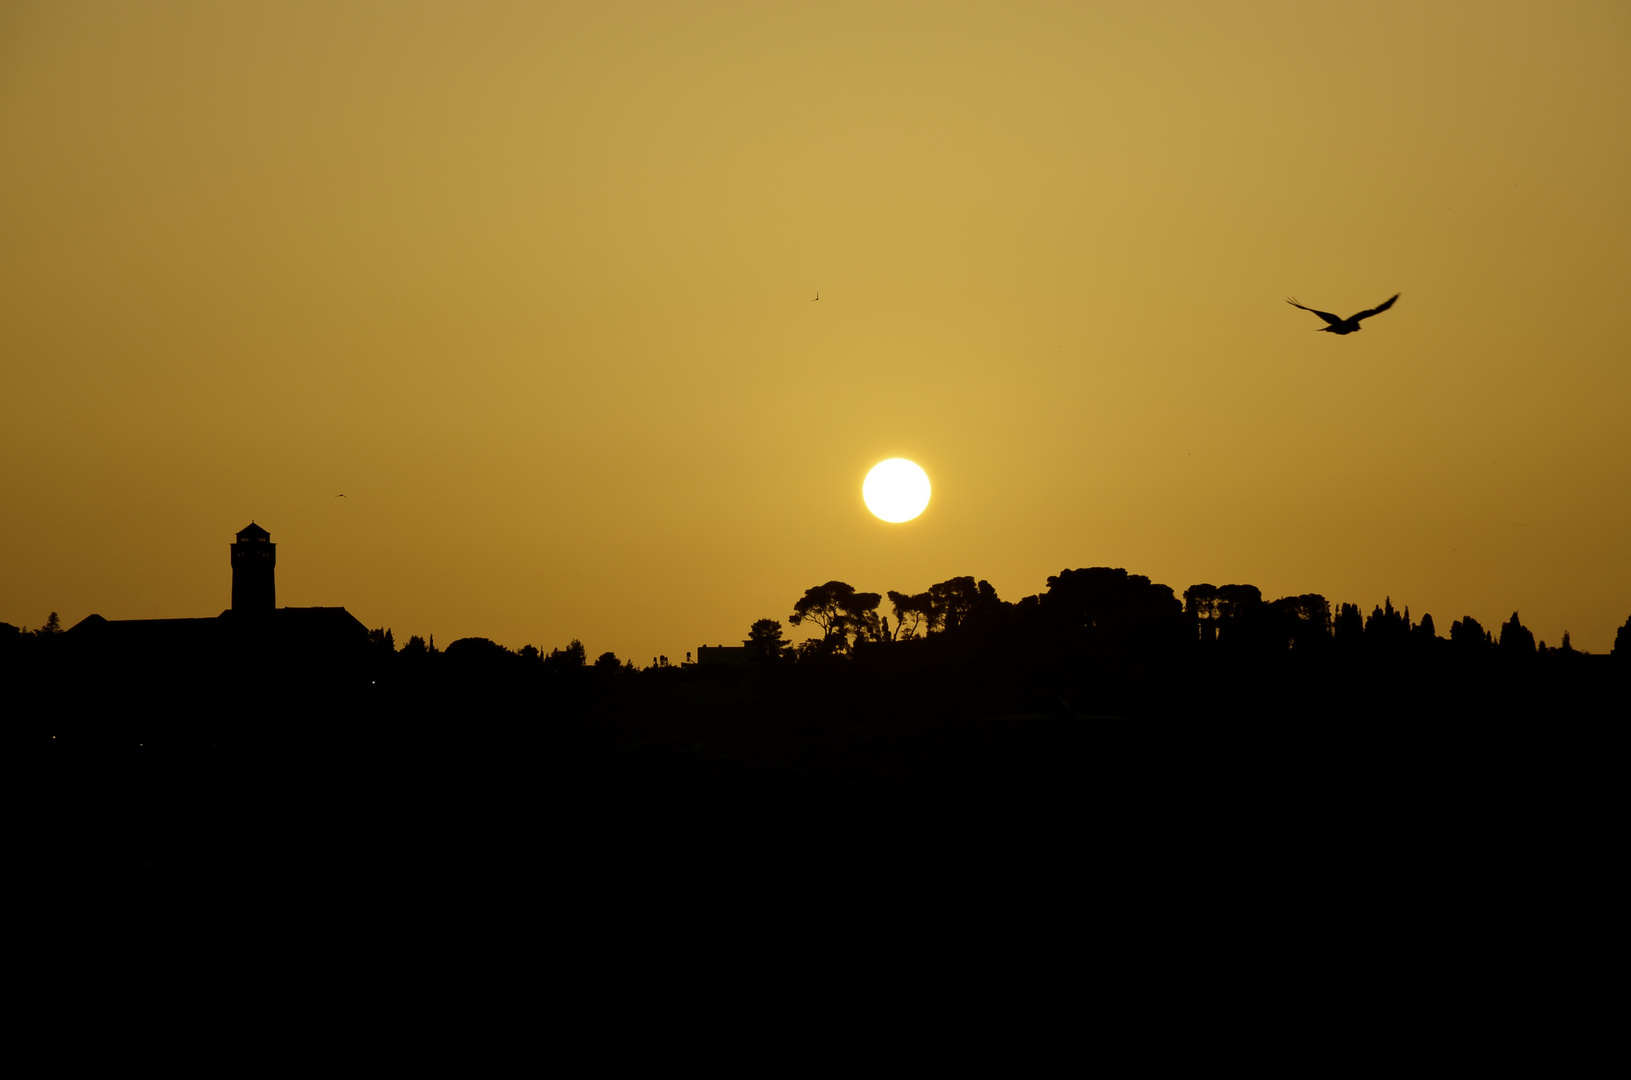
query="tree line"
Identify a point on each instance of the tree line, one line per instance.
(1104, 602)
(1100, 602)
(1096, 640)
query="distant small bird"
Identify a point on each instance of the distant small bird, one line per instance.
(817, 296)
(339, 496)
(1350, 325)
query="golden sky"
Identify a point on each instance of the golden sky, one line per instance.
(530, 284)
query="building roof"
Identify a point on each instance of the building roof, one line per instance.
(287, 632)
(253, 532)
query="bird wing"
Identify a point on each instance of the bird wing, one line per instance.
(1377, 310)
(1326, 315)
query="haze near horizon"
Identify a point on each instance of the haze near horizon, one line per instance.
(531, 285)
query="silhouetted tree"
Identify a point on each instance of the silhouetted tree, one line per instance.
(823, 605)
(1425, 630)
(1466, 633)
(1109, 603)
(1516, 640)
(1241, 615)
(480, 660)
(864, 620)
(382, 641)
(608, 661)
(415, 646)
(1238, 601)
(476, 646)
(914, 615)
(952, 601)
(1305, 621)
(1386, 624)
(571, 658)
(1622, 641)
(53, 625)
(1201, 601)
(1231, 612)
(840, 611)
(765, 642)
(1310, 608)
(1201, 607)
(987, 606)
(1348, 627)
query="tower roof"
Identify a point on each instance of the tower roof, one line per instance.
(253, 532)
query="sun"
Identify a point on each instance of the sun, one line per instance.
(896, 490)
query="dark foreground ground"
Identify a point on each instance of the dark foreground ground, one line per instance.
(844, 856)
(1180, 851)
(655, 787)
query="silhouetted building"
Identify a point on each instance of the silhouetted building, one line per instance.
(254, 559)
(252, 635)
(725, 655)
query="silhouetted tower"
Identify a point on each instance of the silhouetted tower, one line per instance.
(253, 558)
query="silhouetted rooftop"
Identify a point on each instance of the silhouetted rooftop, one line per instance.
(319, 627)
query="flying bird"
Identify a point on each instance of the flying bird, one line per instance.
(817, 296)
(1350, 325)
(339, 496)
